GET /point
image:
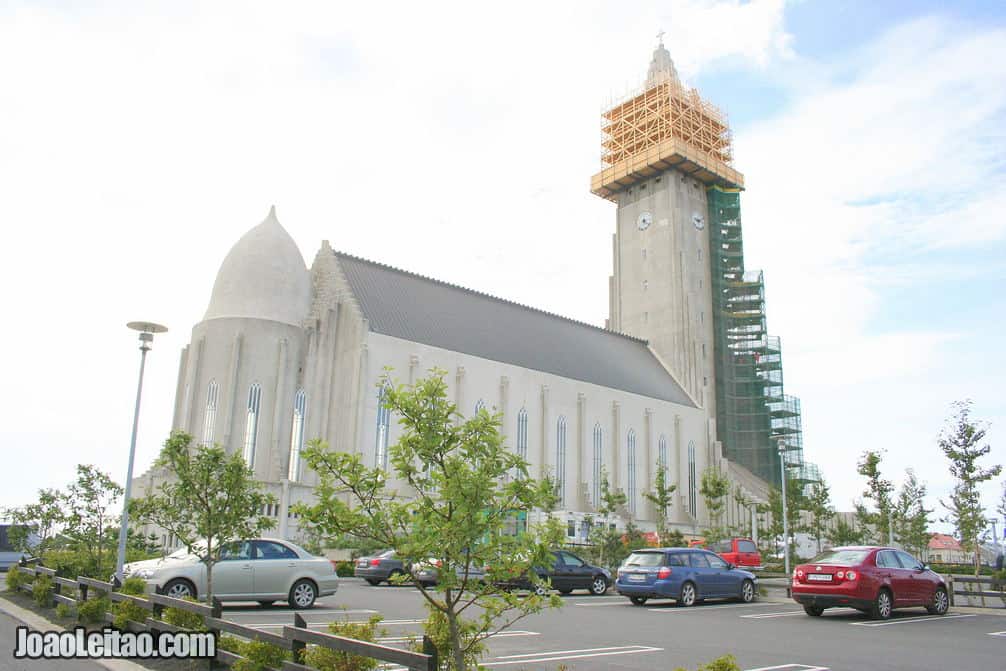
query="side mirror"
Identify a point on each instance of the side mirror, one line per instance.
(923, 567)
(730, 567)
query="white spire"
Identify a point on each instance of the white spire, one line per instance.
(661, 65)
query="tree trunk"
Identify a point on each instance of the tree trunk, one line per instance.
(209, 582)
(455, 635)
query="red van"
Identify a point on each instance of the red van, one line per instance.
(741, 552)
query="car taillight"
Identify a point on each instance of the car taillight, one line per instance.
(799, 573)
(840, 574)
(335, 566)
(438, 563)
(850, 575)
(375, 562)
(664, 572)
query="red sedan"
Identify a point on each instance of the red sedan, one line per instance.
(875, 580)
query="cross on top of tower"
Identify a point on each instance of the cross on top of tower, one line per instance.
(660, 37)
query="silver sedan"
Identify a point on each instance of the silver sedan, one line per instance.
(262, 569)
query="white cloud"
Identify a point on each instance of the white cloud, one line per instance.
(855, 190)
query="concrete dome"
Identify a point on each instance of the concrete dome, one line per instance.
(263, 277)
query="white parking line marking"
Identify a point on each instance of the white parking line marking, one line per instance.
(790, 667)
(560, 655)
(502, 634)
(276, 625)
(624, 602)
(997, 633)
(909, 620)
(791, 613)
(700, 609)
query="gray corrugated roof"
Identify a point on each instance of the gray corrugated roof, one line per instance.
(412, 307)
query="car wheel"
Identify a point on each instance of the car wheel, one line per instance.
(599, 585)
(941, 602)
(813, 611)
(540, 590)
(373, 581)
(747, 594)
(882, 605)
(266, 604)
(637, 600)
(179, 588)
(302, 594)
(688, 596)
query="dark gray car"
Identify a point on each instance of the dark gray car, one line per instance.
(378, 568)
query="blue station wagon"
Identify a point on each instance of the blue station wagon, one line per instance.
(686, 575)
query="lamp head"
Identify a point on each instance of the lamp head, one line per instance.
(147, 331)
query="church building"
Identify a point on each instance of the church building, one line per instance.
(287, 353)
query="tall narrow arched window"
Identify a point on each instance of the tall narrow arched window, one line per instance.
(522, 434)
(630, 452)
(481, 405)
(560, 460)
(662, 453)
(692, 501)
(251, 423)
(297, 435)
(383, 426)
(596, 483)
(210, 418)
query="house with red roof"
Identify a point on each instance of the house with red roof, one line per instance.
(945, 549)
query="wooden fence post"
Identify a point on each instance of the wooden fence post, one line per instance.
(429, 648)
(298, 647)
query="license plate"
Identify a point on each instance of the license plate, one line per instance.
(637, 578)
(819, 577)
(361, 563)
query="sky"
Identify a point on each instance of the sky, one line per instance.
(139, 141)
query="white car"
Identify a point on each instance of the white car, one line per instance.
(262, 569)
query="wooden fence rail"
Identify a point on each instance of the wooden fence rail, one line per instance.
(294, 639)
(983, 591)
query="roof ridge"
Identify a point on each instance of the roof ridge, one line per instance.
(492, 297)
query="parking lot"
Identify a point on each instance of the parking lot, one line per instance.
(773, 634)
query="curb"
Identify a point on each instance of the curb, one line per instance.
(39, 623)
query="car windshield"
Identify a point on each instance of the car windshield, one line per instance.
(842, 557)
(644, 559)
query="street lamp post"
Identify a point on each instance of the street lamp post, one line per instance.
(785, 516)
(147, 331)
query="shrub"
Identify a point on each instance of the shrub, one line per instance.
(229, 643)
(259, 656)
(93, 610)
(436, 628)
(336, 660)
(134, 586)
(724, 663)
(344, 569)
(63, 610)
(184, 619)
(16, 578)
(42, 590)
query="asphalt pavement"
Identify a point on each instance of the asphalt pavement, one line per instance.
(593, 633)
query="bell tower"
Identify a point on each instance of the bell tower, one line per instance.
(663, 147)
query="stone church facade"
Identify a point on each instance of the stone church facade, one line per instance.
(287, 353)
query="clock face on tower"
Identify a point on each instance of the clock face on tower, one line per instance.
(698, 220)
(644, 221)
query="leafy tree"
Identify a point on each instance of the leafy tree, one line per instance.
(87, 519)
(744, 503)
(845, 533)
(794, 504)
(35, 527)
(911, 517)
(609, 550)
(879, 491)
(662, 498)
(819, 506)
(714, 488)
(456, 513)
(209, 500)
(960, 443)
